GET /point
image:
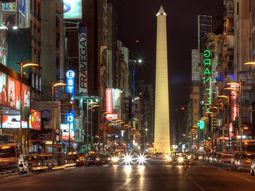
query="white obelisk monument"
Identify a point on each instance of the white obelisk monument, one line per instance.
(162, 120)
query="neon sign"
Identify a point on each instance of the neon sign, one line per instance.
(108, 95)
(70, 74)
(207, 63)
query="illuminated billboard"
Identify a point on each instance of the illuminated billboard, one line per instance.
(13, 93)
(72, 9)
(35, 120)
(12, 121)
(3, 89)
(65, 132)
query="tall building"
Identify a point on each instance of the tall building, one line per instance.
(204, 27)
(162, 117)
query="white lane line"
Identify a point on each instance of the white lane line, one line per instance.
(194, 182)
(236, 175)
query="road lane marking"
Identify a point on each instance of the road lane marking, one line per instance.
(234, 174)
(194, 182)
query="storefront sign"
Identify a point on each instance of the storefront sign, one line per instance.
(83, 63)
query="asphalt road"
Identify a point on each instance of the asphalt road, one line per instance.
(154, 177)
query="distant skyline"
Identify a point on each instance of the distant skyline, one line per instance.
(137, 30)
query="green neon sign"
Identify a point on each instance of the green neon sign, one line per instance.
(201, 124)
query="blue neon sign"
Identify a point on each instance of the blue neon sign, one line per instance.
(70, 74)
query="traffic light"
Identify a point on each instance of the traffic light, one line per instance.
(201, 124)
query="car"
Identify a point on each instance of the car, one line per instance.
(235, 158)
(93, 159)
(179, 158)
(224, 158)
(74, 159)
(252, 170)
(245, 160)
(40, 162)
(105, 158)
(158, 155)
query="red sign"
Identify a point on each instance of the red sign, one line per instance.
(111, 116)
(108, 95)
(35, 120)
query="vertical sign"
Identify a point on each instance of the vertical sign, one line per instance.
(108, 95)
(70, 74)
(83, 62)
(207, 79)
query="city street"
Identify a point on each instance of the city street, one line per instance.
(157, 177)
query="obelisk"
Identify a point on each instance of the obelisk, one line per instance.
(162, 119)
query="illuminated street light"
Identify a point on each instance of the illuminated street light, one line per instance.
(249, 63)
(24, 65)
(53, 86)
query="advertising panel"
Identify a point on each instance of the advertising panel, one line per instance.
(35, 120)
(72, 9)
(3, 89)
(65, 133)
(25, 101)
(12, 121)
(23, 13)
(116, 96)
(9, 14)
(13, 95)
(83, 63)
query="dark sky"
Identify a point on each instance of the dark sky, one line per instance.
(137, 21)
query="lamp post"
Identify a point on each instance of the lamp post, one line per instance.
(24, 65)
(53, 86)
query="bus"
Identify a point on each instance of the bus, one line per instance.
(9, 154)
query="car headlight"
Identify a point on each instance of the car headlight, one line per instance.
(141, 159)
(180, 159)
(128, 159)
(168, 158)
(115, 159)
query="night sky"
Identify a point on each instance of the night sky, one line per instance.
(137, 30)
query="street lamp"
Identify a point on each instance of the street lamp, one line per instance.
(53, 86)
(24, 65)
